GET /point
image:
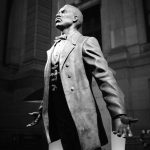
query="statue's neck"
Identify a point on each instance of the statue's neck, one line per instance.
(68, 31)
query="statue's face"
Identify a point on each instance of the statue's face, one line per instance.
(64, 17)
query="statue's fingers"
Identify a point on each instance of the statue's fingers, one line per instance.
(124, 134)
(120, 131)
(114, 132)
(33, 113)
(129, 132)
(133, 120)
(31, 124)
(28, 125)
(37, 119)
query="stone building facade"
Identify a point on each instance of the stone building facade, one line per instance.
(27, 30)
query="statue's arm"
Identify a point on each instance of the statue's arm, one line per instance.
(112, 94)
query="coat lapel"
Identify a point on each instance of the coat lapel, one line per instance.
(65, 52)
(49, 56)
(68, 48)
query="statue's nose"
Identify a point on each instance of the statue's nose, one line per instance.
(58, 14)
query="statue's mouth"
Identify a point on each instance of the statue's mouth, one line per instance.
(58, 20)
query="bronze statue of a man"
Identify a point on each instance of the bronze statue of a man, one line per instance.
(69, 109)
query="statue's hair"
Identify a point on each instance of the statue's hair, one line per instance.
(77, 13)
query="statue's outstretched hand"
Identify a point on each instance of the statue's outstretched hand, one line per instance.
(37, 117)
(121, 126)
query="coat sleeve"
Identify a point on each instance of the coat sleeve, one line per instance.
(98, 66)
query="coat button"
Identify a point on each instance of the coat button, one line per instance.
(69, 76)
(72, 88)
(67, 65)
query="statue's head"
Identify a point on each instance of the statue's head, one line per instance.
(68, 16)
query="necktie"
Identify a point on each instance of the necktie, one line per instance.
(61, 37)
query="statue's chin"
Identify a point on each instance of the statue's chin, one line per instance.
(60, 27)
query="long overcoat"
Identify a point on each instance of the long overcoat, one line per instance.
(80, 61)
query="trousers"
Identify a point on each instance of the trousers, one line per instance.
(61, 124)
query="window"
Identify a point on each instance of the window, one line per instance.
(146, 4)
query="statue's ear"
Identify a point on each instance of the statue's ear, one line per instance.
(75, 19)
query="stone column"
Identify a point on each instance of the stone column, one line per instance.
(16, 33)
(38, 33)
